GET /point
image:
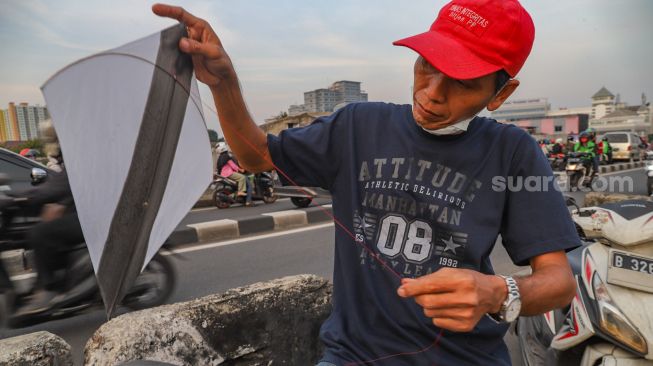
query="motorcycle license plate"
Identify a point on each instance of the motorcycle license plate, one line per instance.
(630, 270)
(574, 160)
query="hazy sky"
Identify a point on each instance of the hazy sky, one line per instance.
(285, 47)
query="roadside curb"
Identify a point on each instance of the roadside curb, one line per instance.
(619, 167)
(212, 231)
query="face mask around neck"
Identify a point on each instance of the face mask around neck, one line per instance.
(454, 129)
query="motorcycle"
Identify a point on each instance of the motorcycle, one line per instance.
(579, 169)
(558, 161)
(225, 190)
(609, 322)
(76, 278)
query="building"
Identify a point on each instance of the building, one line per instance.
(348, 92)
(564, 111)
(603, 103)
(327, 100)
(321, 100)
(536, 117)
(4, 126)
(12, 120)
(21, 122)
(610, 114)
(294, 110)
(557, 126)
(521, 109)
(276, 125)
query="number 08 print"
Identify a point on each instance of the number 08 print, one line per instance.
(417, 241)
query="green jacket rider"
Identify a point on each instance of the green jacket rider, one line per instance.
(585, 145)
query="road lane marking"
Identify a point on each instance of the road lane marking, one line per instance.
(246, 239)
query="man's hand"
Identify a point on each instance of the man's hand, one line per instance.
(213, 67)
(210, 61)
(456, 299)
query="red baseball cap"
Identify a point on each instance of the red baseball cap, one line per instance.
(473, 38)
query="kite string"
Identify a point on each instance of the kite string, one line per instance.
(263, 155)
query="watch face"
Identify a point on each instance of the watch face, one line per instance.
(512, 310)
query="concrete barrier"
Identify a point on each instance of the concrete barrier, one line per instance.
(228, 229)
(268, 323)
(289, 219)
(35, 349)
(216, 230)
(620, 166)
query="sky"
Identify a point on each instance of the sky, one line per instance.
(283, 48)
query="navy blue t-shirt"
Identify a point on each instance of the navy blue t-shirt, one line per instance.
(420, 202)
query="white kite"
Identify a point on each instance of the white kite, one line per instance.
(136, 148)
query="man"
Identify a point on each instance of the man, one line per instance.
(558, 147)
(413, 188)
(58, 230)
(586, 145)
(569, 147)
(595, 157)
(606, 149)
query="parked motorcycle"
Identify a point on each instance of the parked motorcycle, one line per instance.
(579, 169)
(225, 190)
(76, 278)
(610, 321)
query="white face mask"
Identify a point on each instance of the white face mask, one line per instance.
(454, 129)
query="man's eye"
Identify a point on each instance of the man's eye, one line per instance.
(464, 83)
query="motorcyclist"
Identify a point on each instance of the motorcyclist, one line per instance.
(58, 230)
(595, 160)
(558, 147)
(586, 145)
(6, 287)
(544, 147)
(569, 147)
(606, 149)
(228, 167)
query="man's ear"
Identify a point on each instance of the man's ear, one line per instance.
(502, 95)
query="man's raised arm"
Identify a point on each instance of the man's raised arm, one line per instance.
(214, 68)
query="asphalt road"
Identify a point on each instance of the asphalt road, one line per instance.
(213, 269)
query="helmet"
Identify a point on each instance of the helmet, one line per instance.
(48, 134)
(558, 141)
(570, 138)
(49, 137)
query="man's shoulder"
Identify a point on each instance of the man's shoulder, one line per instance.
(376, 107)
(507, 131)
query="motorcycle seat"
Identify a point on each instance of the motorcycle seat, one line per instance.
(229, 181)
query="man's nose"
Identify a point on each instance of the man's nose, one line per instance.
(437, 88)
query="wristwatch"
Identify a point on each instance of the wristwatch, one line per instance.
(510, 308)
